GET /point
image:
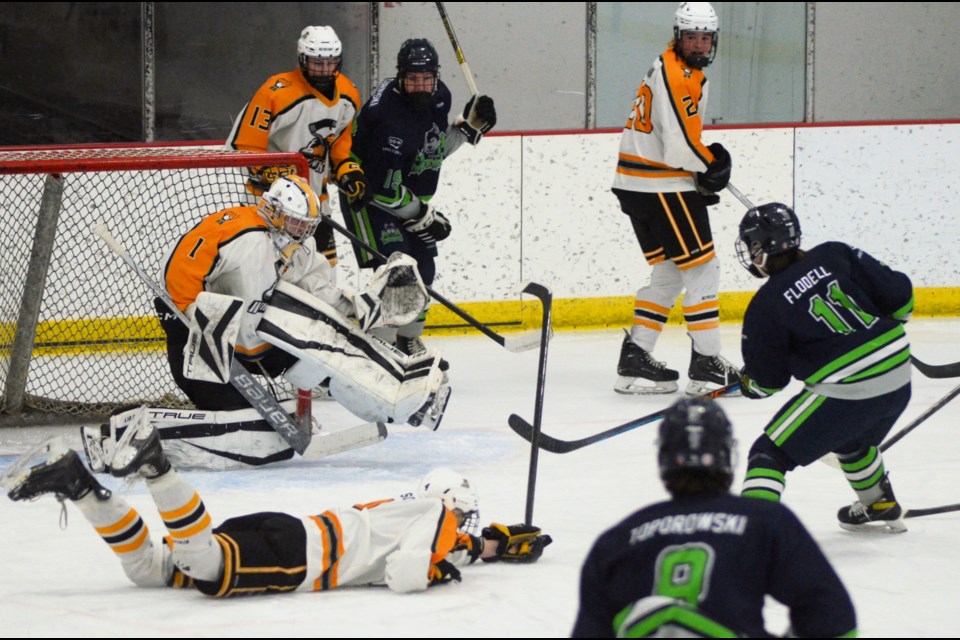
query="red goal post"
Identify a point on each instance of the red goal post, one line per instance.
(78, 332)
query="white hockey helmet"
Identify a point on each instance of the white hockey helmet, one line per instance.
(320, 53)
(696, 16)
(456, 492)
(291, 208)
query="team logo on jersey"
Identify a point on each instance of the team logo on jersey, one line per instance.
(316, 151)
(281, 83)
(395, 142)
(432, 140)
(431, 156)
(390, 234)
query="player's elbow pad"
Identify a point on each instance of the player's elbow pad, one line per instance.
(408, 571)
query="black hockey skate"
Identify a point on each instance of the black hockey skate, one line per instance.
(51, 468)
(707, 373)
(139, 450)
(637, 366)
(884, 515)
(431, 413)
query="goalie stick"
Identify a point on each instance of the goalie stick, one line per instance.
(242, 380)
(546, 301)
(516, 343)
(554, 445)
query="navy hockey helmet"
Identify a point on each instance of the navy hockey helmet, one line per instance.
(418, 55)
(695, 17)
(695, 435)
(771, 229)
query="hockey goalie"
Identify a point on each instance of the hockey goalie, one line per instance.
(253, 287)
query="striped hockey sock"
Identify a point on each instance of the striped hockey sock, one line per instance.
(763, 483)
(864, 471)
(189, 526)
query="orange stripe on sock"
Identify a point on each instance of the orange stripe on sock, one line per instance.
(649, 324)
(120, 525)
(702, 326)
(133, 546)
(650, 306)
(703, 306)
(176, 514)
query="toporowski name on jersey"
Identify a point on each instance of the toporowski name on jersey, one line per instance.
(805, 283)
(689, 523)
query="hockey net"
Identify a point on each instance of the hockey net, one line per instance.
(78, 331)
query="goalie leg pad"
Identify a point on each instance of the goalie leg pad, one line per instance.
(367, 377)
(208, 353)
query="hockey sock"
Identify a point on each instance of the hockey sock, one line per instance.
(187, 521)
(122, 528)
(763, 483)
(864, 471)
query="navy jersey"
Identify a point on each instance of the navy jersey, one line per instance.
(399, 147)
(833, 319)
(720, 553)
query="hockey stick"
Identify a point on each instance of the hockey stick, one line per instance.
(932, 511)
(457, 50)
(937, 371)
(546, 301)
(744, 200)
(515, 343)
(242, 380)
(327, 443)
(554, 445)
(942, 402)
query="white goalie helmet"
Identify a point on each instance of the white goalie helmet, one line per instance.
(696, 16)
(292, 209)
(320, 53)
(456, 492)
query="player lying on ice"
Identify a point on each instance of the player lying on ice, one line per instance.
(252, 283)
(408, 544)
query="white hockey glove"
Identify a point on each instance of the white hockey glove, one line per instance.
(215, 325)
(479, 116)
(396, 295)
(430, 225)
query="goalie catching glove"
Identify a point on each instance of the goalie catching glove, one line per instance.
(396, 296)
(479, 116)
(521, 543)
(430, 225)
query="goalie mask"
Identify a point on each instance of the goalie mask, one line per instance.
(292, 210)
(771, 229)
(457, 494)
(695, 435)
(698, 23)
(320, 54)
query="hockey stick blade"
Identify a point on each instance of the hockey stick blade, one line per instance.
(937, 371)
(328, 443)
(241, 379)
(932, 511)
(554, 445)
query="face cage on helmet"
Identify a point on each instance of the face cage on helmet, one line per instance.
(746, 256)
(469, 521)
(320, 82)
(697, 62)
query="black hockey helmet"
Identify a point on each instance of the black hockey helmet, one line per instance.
(695, 435)
(417, 54)
(771, 229)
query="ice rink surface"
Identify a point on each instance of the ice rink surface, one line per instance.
(67, 582)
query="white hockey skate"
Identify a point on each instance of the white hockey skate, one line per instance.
(431, 413)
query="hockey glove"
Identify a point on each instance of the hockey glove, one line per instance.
(521, 543)
(352, 181)
(430, 226)
(444, 572)
(717, 175)
(751, 389)
(479, 116)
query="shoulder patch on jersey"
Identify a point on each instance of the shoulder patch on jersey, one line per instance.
(281, 83)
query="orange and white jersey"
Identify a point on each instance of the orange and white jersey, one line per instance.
(660, 148)
(233, 253)
(392, 542)
(286, 114)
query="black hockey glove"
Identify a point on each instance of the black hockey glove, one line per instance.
(444, 572)
(749, 388)
(717, 175)
(479, 116)
(520, 543)
(352, 181)
(430, 226)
